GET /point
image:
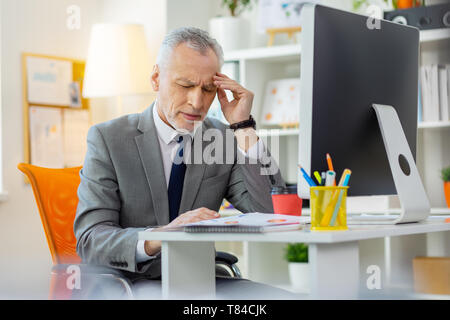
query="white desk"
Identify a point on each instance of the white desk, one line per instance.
(188, 267)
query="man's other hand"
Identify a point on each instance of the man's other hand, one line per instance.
(152, 247)
(193, 216)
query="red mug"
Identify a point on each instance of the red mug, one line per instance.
(286, 201)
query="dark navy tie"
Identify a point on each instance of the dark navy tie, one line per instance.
(176, 181)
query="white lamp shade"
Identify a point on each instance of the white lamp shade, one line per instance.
(118, 61)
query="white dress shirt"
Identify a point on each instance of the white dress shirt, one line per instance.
(168, 145)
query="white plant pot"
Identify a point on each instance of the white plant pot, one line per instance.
(232, 33)
(299, 275)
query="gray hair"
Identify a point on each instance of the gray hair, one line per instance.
(194, 38)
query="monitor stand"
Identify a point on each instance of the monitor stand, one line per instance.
(413, 198)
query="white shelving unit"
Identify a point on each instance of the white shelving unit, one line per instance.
(259, 65)
(433, 138)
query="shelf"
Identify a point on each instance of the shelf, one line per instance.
(428, 296)
(293, 51)
(434, 35)
(433, 125)
(295, 131)
(277, 132)
(444, 211)
(275, 53)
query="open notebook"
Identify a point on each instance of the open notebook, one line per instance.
(248, 223)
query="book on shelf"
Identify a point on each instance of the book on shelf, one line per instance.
(443, 72)
(254, 222)
(435, 93)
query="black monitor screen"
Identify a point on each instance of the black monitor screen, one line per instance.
(354, 67)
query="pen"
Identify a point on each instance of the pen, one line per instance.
(330, 178)
(318, 178)
(307, 177)
(347, 177)
(344, 175)
(324, 176)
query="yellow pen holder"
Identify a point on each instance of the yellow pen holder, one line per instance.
(328, 208)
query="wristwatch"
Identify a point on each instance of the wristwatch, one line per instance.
(250, 123)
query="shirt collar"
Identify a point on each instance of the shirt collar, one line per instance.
(166, 132)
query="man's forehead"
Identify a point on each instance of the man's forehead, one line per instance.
(191, 64)
(208, 81)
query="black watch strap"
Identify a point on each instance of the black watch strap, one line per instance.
(250, 123)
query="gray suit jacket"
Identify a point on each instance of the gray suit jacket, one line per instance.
(123, 190)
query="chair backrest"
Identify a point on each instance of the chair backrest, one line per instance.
(55, 191)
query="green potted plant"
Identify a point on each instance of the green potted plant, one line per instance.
(445, 175)
(231, 31)
(236, 7)
(296, 255)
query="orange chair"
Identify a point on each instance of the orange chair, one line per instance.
(55, 191)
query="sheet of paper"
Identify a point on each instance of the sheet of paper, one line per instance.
(251, 219)
(76, 126)
(48, 81)
(46, 137)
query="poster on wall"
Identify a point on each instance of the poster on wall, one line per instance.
(49, 81)
(76, 126)
(46, 137)
(281, 103)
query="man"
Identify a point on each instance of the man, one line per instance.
(139, 174)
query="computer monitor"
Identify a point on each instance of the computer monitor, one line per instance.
(347, 66)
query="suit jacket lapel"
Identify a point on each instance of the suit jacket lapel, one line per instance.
(150, 154)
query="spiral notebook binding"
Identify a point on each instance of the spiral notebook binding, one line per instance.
(239, 229)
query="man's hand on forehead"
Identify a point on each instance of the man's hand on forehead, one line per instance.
(240, 107)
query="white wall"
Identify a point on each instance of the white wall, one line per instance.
(39, 26)
(192, 13)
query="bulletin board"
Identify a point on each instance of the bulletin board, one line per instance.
(55, 116)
